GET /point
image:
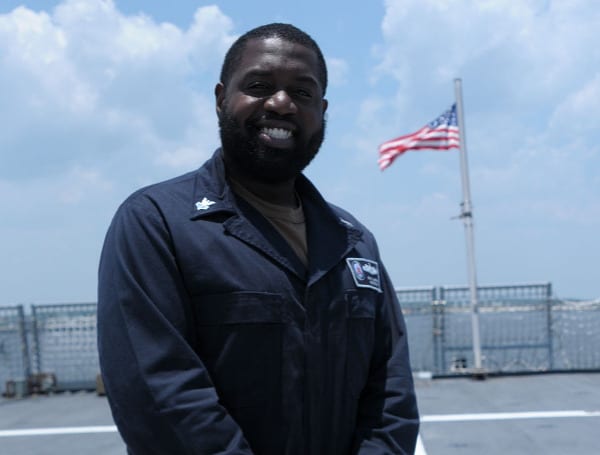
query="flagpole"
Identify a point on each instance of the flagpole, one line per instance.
(467, 217)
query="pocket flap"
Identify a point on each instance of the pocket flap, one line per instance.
(360, 306)
(238, 308)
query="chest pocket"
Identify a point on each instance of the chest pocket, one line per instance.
(239, 339)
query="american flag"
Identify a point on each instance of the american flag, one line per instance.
(440, 134)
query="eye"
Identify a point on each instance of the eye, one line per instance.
(303, 93)
(258, 87)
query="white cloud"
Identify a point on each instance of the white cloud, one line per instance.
(580, 110)
(89, 83)
(529, 46)
(208, 39)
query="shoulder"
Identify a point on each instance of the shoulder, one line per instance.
(327, 208)
(156, 203)
(351, 221)
(180, 185)
(180, 191)
(347, 218)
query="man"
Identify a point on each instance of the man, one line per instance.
(239, 312)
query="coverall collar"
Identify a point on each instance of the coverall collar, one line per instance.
(329, 237)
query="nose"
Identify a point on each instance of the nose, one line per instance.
(281, 103)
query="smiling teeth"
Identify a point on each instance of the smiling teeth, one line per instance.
(277, 133)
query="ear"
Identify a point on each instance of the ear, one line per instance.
(325, 104)
(219, 97)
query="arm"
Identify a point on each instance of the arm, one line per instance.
(388, 420)
(161, 396)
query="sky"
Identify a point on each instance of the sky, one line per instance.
(101, 97)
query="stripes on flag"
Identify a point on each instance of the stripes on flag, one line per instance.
(440, 134)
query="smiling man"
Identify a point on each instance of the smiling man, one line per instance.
(238, 311)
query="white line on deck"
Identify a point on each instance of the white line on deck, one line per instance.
(58, 430)
(507, 416)
(424, 419)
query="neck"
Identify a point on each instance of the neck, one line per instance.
(280, 193)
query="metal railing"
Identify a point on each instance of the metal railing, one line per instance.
(65, 343)
(14, 346)
(523, 329)
(59, 340)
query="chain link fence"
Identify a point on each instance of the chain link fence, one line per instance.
(523, 329)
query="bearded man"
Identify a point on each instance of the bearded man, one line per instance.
(238, 311)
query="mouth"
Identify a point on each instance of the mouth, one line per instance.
(276, 133)
(276, 137)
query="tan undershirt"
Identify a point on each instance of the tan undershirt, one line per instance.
(289, 222)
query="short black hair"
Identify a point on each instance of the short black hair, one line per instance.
(286, 32)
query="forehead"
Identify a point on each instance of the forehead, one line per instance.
(275, 54)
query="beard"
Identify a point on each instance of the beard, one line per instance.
(250, 157)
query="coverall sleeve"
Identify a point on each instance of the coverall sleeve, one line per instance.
(161, 396)
(388, 419)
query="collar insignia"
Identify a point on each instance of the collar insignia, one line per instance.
(204, 204)
(346, 222)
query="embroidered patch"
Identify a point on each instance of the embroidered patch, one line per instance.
(365, 273)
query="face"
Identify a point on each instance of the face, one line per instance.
(271, 111)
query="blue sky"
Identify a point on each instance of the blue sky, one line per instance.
(98, 98)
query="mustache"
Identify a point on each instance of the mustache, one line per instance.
(266, 116)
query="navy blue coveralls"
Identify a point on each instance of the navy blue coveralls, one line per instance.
(214, 338)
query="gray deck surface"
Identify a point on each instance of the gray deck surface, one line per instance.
(463, 398)
(515, 395)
